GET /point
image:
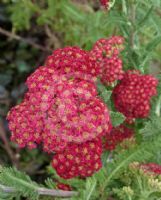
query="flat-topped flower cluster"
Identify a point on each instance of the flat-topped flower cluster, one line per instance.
(62, 111)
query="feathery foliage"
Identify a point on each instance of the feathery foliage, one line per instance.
(140, 153)
(20, 182)
(152, 128)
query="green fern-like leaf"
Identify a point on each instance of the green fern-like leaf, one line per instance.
(20, 181)
(151, 129)
(90, 188)
(50, 183)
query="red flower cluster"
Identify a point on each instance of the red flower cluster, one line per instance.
(132, 95)
(116, 136)
(106, 52)
(71, 111)
(151, 167)
(26, 125)
(105, 3)
(79, 159)
(72, 60)
(112, 70)
(62, 111)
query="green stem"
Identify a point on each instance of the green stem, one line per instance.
(158, 106)
(132, 19)
(139, 183)
(129, 198)
(91, 191)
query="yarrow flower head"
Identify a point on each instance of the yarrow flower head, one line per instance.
(71, 110)
(26, 125)
(116, 136)
(80, 124)
(79, 160)
(68, 111)
(106, 52)
(133, 94)
(112, 70)
(107, 48)
(72, 60)
(62, 111)
(62, 107)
